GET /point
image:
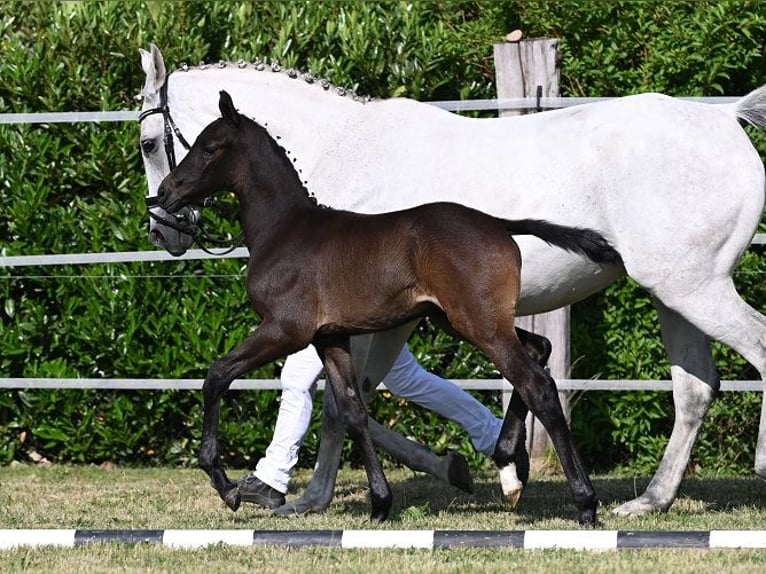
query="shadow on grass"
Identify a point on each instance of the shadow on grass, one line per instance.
(714, 493)
(544, 498)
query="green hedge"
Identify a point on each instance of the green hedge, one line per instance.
(77, 188)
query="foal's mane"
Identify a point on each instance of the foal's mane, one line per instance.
(284, 158)
(261, 66)
(304, 80)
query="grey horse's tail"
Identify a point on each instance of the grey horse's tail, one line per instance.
(585, 242)
(751, 108)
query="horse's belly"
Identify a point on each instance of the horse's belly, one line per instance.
(552, 278)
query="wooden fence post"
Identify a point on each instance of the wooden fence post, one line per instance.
(530, 68)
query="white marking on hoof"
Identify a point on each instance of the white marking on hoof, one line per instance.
(511, 485)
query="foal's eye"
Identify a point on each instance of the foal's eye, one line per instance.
(147, 146)
(208, 151)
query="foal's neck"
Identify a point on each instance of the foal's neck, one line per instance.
(271, 191)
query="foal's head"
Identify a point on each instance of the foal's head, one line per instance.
(214, 163)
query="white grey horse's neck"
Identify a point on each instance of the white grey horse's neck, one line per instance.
(299, 114)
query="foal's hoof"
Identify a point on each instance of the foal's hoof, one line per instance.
(233, 499)
(378, 516)
(379, 513)
(587, 510)
(380, 505)
(512, 498)
(587, 518)
(511, 484)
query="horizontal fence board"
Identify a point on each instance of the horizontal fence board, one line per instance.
(274, 384)
(115, 257)
(68, 117)
(150, 256)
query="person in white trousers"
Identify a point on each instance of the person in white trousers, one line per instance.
(267, 485)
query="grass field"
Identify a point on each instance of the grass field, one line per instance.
(119, 498)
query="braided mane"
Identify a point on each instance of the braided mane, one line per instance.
(275, 67)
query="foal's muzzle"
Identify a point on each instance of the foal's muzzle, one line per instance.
(171, 202)
(161, 198)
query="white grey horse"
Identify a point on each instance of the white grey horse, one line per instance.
(676, 186)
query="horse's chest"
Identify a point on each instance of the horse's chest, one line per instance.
(272, 280)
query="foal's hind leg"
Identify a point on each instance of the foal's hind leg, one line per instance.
(536, 346)
(538, 390)
(490, 326)
(511, 456)
(511, 444)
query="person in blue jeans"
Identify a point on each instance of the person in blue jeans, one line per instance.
(267, 484)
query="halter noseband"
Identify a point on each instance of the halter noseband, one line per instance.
(190, 222)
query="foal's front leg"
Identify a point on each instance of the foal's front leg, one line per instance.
(380, 349)
(339, 369)
(264, 345)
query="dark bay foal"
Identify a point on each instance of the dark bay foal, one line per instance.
(318, 276)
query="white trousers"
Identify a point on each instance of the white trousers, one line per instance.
(407, 379)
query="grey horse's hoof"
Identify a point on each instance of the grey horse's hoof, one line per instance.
(637, 507)
(233, 499)
(302, 505)
(287, 509)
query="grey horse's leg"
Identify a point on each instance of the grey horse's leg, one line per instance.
(373, 357)
(452, 468)
(716, 309)
(322, 485)
(695, 383)
(342, 384)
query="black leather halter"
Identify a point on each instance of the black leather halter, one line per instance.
(170, 126)
(189, 222)
(177, 223)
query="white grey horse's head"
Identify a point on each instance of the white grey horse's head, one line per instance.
(161, 141)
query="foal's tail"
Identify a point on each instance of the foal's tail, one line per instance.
(585, 242)
(751, 108)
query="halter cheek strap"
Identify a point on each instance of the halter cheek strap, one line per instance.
(170, 126)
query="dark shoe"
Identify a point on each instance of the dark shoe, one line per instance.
(458, 473)
(252, 489)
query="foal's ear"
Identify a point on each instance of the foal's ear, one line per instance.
(228, 111)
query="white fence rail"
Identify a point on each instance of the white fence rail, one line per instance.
(194, 254)
(274, 384)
